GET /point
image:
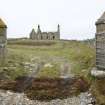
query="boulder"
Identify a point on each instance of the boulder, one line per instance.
(98, 73)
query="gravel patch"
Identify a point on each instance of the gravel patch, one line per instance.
(10, 98)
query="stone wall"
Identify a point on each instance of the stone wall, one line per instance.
(2, 53)
(100, 43)
(100, 50)
(100, 28)
(3, 42)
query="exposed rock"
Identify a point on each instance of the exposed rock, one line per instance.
(98, 73)
(87, 99)
(10, 98)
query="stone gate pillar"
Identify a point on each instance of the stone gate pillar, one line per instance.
(3, 41)
(99, 71)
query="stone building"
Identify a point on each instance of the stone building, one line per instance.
(100, 43)
(39, 35)
(3, 41)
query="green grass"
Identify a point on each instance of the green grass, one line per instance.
(50, 72)
(79, 55)
(98, 90)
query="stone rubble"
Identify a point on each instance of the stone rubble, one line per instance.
(98, 73)
(10, 98)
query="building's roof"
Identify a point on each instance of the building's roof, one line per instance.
(2, 24)
(103, 16)
(101, 19)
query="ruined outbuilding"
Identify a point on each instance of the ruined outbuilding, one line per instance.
(39, 35)
(3, 41)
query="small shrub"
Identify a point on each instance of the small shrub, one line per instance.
(98, 90)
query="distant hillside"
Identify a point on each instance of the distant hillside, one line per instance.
(26, 41)
(90, 41)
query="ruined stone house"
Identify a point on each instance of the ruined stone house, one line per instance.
(3, 41)
(39, 35)
(100, 43)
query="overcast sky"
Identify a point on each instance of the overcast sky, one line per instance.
(76, 17)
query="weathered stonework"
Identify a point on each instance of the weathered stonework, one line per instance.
(99, 71)
(3, 41)
(100, 43)
(45, 35)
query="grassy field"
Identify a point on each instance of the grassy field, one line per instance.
(64, 57)
(55, 59)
